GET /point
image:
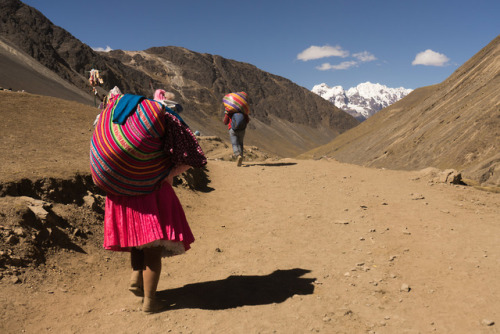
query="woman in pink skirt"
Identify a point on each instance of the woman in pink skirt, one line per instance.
(137, 148)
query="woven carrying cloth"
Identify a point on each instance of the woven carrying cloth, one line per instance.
(131, 159)
(236, 102)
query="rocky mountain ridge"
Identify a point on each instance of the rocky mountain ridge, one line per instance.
(361, 101)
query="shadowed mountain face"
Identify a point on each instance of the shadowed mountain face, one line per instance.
(455, 124)
(286, 119)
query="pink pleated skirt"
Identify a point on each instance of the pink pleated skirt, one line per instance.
(155, 219)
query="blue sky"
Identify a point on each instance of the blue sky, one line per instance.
(339, 42)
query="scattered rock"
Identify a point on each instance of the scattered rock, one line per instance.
(88, 201)
(12, 239)
(18, 231)
(449, 176)
(417, 197)
(39, 212)
(405, 288)
(488, 322)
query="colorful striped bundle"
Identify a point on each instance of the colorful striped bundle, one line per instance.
(236, 102)
(130, 159)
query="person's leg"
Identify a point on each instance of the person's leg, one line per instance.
(151, 276)
(241, 136)
(234, 142)
(137, 262)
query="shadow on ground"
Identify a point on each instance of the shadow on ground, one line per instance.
(270, 164)
(236, 291)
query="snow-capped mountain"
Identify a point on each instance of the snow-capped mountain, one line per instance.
(361, 101)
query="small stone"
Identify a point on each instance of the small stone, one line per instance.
(342, 222)
(12, 239)
(347, 274)
(362, 239)
(19, 232)
(39, 211)
(15, 280)
(16, 261)
(488, 322)
(88, 201)
(392, 258)
(405, 288)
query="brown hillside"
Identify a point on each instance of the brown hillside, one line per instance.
(455, 124)
(41, 134)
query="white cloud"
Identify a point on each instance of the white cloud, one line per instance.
(342, 66)
(364, 56)
(317, 52)
(107, 49)
(430, 58)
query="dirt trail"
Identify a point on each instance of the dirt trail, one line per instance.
(292, 247)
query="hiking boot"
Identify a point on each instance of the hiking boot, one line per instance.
(239, 161)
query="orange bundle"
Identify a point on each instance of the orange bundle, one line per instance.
(236, 102)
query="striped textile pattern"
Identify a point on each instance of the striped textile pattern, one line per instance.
(236, 102)
(130, 159)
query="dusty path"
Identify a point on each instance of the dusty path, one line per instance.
(312, 246)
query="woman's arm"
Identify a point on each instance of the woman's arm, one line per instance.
(176, 170)
(226, 119)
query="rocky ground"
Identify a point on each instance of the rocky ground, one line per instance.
(314, 246)
(282, 246)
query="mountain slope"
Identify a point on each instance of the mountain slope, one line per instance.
(286, 119)
(362, 101)
(455, 124)
(19, 71)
